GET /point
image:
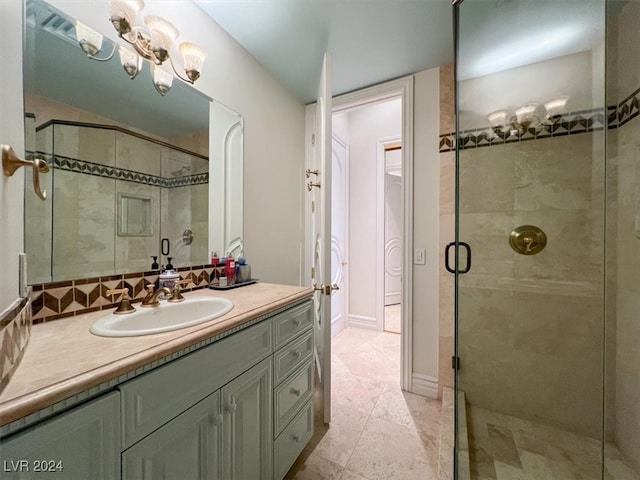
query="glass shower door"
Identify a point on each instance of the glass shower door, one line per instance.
(531, 116)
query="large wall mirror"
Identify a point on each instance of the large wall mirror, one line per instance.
(135, 174)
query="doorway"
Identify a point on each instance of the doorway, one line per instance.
(359, 123)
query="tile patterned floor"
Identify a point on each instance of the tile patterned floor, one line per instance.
(510, 448)
(378, 432)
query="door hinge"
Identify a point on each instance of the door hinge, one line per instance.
(455, 362)
(313, 272)
(313, 206)
(313, 139)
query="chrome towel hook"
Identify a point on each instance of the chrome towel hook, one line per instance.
(11, 162)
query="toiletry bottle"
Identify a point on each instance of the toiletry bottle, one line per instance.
(230, 270)
(168, 279)
(214, 259)
(243, 273)
(223, 279)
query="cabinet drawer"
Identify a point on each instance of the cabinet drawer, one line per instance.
(290, 323)
(291, 442)
(291, 395)
(153, 399)
(291, 356)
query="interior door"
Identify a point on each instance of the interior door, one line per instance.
(339, 153)
(320, 188)
(392, 228)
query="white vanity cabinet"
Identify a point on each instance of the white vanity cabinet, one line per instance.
(225, 436)
(82, 443)
(239, 408)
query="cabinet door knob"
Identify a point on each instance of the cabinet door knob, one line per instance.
(296, 354)
(295, 437)
(295, 391)
(231, 408)
(216, 419)
(297, 322)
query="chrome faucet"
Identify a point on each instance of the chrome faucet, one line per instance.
(151, 300)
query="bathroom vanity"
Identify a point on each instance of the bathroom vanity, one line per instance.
(228, 399)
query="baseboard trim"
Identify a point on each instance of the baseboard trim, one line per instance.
(361, 321)
(424, 385)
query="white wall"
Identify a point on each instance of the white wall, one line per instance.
(366, 126)
(273, 131)
(11, 133)
(426, 198)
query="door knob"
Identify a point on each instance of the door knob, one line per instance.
(326, 289)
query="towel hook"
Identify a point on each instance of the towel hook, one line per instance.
(11, 162)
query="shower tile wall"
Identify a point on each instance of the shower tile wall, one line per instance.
(85, 206)
(533, 323)
(133, 252)
(38, 222)
(83, 234)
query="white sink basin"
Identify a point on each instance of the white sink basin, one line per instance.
(166, 317)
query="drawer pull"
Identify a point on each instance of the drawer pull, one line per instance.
(231, 408)
(297, 322)
(295, 391)
(295, 437)
(216, 419)
(296, 354)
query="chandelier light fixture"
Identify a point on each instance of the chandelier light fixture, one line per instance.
(153, 44)
(528, 115)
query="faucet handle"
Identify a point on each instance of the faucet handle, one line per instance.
(125, 303)
(118, 291)
(150, 287)
(176, 296)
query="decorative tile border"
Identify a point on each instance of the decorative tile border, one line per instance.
(15, 331)
(51, 301)
(574, 123)
(89, 168)
(629, 108)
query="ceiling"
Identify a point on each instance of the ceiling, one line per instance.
(371, 41)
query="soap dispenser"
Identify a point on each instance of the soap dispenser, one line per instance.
(154, 265)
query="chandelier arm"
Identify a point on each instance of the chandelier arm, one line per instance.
(105, 59)
(184, 79)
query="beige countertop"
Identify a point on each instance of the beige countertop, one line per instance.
(63, 358)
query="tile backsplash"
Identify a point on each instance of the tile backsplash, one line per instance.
(15, 330)
(51, 301)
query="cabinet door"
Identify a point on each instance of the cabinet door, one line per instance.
(189, 446)
(248, 424)
(82, 443)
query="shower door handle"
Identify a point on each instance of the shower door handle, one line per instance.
(446, 258)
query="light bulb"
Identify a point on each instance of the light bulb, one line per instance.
(163, 33)
(162, 80)
(131, 62)
(193, 57)
(90, 41)
(123, 14)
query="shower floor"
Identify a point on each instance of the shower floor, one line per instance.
(502, 447)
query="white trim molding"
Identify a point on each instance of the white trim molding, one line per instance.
(424, 385)
(362, 321)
